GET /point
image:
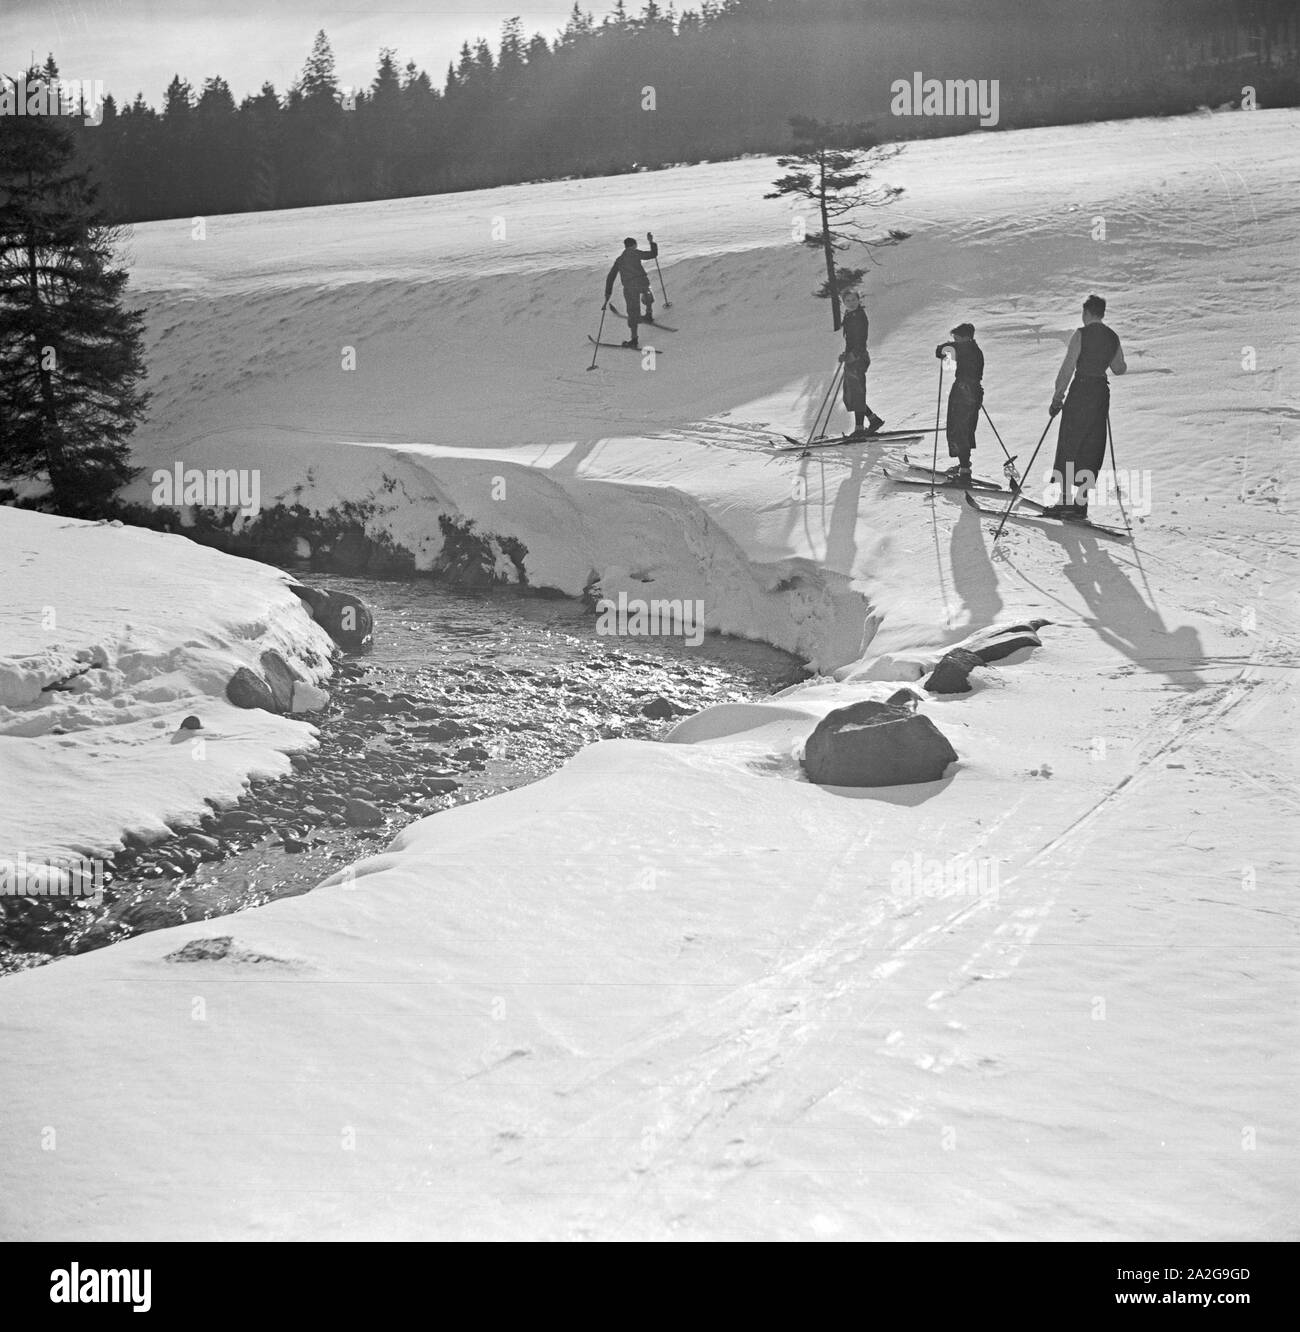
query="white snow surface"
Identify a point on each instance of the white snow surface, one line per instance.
(674, 990)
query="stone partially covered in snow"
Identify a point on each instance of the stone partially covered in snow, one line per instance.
(307, 698)
(281, 677)
(952, 674)
(874, 744)
(248, 690)
(1009, 639)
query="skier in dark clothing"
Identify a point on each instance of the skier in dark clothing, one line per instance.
(855, 359)
(964, 398)
(1081, 443)
(636, 284)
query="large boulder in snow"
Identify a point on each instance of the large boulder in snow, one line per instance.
(248, 690)
(876, 744)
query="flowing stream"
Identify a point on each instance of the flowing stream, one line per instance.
(464, 696)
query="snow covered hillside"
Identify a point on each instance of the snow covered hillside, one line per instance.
(675, 990)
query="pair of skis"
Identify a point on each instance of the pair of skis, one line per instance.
(799, 445)
(619, 346)
(977, 486)
(641, 319)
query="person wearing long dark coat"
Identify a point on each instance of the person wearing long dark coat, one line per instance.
(964, 398)
(1082, 397)
(855, 359)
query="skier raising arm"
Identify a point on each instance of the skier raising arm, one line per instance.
(636, 284)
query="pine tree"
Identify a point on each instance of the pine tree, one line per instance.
(70, 354)
(832, 170)
(510, 57)
(318, 79)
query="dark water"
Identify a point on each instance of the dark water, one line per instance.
(464, 696)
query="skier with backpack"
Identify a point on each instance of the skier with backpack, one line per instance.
(964, 398)
(637, 296)
(1085, 409)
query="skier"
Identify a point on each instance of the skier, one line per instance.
(1081, 443)
(855, 358)
(964, 398)
(636, 284)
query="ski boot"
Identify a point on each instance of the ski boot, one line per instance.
(633, 343)
(874, 423)
(1074, 513)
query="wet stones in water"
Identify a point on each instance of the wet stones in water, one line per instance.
(361, 813)
(343, 617)
(660, 708)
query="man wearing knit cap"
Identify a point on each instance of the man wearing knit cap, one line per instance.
(964, 398)
(1085, 408)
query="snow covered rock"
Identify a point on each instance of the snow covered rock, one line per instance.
(1003, 639)
(308, 698)
(874, 744)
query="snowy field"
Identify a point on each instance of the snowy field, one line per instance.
(675, 991)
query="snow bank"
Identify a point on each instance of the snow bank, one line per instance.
(111, 636)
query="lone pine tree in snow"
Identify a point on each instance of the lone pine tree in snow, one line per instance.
(831, 168)
(70, 354)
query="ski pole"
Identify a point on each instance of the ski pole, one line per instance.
(1016, 495)
(1110, 435)
(822, 406)
(934, 462)
(823, 422)
(595, 351)
(668, 305)
(1008, 467)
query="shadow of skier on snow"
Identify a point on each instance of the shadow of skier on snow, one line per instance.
(1123, 618)
(1120, 614)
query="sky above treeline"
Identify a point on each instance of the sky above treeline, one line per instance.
(138, 45)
